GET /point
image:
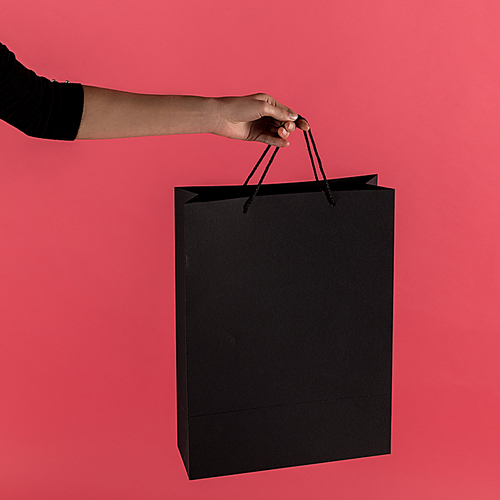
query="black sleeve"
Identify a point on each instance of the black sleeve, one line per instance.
(34, 104)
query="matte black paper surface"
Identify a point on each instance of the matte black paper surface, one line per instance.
(284, 325)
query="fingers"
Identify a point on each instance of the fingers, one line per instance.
(283, 121)
(278, 111)
(282, 131)
(272, 140)
(283, 128)
(302, 124)
(286, 129)
(277, 134)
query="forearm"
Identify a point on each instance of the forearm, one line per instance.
(109, 114)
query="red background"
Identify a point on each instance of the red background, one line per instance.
(408, 90)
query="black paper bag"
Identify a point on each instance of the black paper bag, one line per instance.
(284, 324)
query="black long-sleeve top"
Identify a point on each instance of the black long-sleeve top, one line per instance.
(35, 105)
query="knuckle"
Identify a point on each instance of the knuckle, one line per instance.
(264, 107)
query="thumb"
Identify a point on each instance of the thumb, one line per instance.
(271, 107)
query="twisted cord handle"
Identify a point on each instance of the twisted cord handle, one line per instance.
(327, 191)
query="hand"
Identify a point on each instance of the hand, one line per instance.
(256, 117)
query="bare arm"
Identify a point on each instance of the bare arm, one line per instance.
(109, 114)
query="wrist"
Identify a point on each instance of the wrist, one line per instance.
(214, 114)
(198, 115)
(188, 114)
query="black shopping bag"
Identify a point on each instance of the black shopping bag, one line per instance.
(284, 323)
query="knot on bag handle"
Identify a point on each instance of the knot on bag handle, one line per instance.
(327, 190)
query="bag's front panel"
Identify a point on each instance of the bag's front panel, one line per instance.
(289, 303)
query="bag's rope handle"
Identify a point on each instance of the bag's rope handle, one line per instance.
(327, 191)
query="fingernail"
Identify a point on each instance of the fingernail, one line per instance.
(293, 116)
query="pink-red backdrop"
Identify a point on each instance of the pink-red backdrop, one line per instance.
(408, 90)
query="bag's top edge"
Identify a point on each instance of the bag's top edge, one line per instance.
(196, 194)
(370, 179)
